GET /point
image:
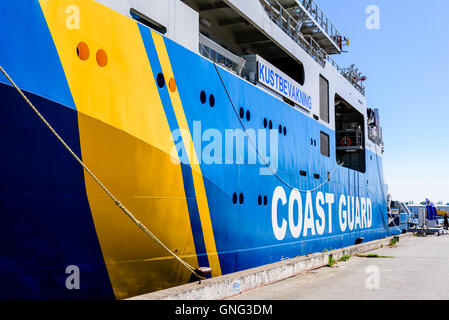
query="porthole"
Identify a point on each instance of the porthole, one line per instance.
(303, 173)
(242, 113)
(82, 50)
(160, 80)
(172, 85)
(212, 101)
(203, 97)
(285, 131)
(259, 200)
(241, 198)
(265, 123)
(265, 200)
(234, 198)
(248, 115)
(270, 125)
(280, 129)
(102, 58)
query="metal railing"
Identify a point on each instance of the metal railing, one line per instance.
(319, 16)
(351, 74)
(220, 55)
(292, 27)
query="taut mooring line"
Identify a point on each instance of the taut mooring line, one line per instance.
(116, 201)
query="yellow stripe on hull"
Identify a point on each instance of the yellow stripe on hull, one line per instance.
(198, 181)
(126, 140)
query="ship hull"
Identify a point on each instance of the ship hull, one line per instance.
(131, 128)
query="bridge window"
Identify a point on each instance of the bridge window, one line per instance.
(324, 99)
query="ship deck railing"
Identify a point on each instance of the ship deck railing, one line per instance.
(218, 54)
(350, 76)
(291, 26)
(318, 14)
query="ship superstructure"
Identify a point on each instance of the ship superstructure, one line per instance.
(225, 126)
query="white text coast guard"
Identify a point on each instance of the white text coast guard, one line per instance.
(309, 218)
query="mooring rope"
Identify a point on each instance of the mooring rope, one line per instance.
(106, 190)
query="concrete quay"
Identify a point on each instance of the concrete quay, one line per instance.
(243, 285)
(416, 269)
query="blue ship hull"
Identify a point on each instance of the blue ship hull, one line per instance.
(48, 216)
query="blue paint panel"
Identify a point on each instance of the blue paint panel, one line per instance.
(46, 224)
(28, 53)
(249, 225)
(189, 187)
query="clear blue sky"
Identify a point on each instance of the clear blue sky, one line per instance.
(407, 65)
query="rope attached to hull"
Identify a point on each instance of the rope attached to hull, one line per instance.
(105, 189)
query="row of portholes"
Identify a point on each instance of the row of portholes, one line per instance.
(304, 174)
(203, 99)
(83, 52)
(242, 114)
(160, 79)
(263, 201)
(312, 142)
(238, 198)
(269, 125)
